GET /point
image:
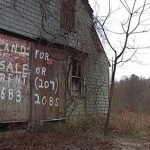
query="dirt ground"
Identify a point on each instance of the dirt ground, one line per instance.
(52, 141)
(128, 142)
(67, 141)
(132, 143)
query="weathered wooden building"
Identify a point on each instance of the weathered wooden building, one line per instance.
(52, 63)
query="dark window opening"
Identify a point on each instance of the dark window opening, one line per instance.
(68, 15)
(77, 77)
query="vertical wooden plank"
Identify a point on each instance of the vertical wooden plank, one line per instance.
(48, 83)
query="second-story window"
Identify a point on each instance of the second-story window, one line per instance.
(68, 15)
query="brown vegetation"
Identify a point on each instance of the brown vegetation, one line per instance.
(52, 141)
(132, 94)
(131, 106)
(127, 122)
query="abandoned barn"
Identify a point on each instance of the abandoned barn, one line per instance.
(52, 63)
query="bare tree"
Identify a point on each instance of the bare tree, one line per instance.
(132, 23)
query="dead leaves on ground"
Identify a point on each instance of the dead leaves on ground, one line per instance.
(51, 141)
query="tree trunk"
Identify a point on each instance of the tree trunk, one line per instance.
(110, 97)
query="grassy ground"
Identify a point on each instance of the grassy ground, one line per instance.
(131, 123)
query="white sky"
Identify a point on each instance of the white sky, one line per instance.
(140, 68)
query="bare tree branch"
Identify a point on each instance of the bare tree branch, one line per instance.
(130, 29)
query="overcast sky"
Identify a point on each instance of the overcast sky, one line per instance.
(141, 64)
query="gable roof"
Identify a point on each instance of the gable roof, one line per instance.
(88, 7)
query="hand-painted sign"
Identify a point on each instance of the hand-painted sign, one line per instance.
(14, 79)
(48, 83)
(32, 81)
